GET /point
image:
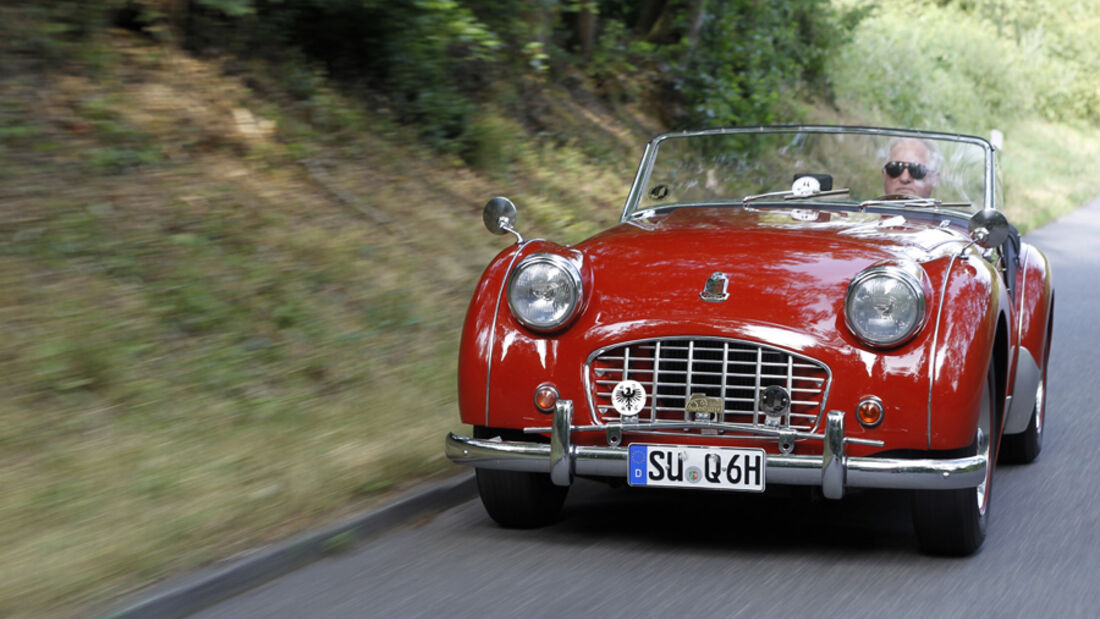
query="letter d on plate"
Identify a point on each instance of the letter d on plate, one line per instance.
(638, 456)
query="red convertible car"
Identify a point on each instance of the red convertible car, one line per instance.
(836, 307)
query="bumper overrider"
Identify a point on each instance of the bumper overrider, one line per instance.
(833, 470)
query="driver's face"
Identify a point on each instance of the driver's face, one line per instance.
(910, 151)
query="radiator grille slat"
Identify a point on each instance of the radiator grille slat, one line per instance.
(733, 371)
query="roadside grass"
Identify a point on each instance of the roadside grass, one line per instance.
(1045, 170)
(229, 317)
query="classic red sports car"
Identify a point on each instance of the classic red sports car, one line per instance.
(838, 307)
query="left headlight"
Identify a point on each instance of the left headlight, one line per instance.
(545, 292)
(885, 306)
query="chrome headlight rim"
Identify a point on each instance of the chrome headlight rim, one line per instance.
(900, 274)
(574, 278)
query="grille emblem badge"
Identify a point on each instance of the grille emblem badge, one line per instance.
(715, 289)
(775, 401)
(628, 398)
(699, 403)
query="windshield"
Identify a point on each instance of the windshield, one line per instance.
(796, 166)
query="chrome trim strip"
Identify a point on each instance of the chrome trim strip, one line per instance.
(756, 387)
(860, 472)
(641, 178)
(687, 374)
(1020, 305)
(657, 427)
(656, 374)
(493, 328)
(725, 374)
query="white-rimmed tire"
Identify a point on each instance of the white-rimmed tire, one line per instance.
(1024, 448)
(953, 522)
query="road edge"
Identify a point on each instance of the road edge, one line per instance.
(193, 593)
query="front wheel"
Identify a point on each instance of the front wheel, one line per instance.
(953, 522)
(519, 500)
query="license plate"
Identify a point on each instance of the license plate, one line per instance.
(680, 466)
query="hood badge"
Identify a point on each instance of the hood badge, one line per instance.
(715, 289)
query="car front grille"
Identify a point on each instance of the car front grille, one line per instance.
(732, 371)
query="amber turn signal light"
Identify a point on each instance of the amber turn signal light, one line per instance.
(869, 412)
(546, 398)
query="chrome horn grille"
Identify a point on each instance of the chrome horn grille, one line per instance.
(731, 372)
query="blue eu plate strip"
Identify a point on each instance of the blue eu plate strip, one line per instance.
(638, 455)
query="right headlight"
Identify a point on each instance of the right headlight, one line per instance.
(885, 306)
(545, 292)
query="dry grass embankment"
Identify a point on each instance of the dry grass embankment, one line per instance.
(228, 313)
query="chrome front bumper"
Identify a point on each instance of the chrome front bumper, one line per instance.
(833, 471)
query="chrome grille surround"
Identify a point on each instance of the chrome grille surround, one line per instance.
(735, 371)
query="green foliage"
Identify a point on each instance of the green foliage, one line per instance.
(120, 147)
(616, 60)
(492, 141)
(54, 32)
(232, 8)
(424, 54)
(431, 59)
(973, 66)
(751, 55)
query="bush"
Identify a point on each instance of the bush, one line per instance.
(750, 56)
(966, 69)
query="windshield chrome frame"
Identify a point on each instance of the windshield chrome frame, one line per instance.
(649, 156)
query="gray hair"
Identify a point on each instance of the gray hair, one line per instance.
(935, 158)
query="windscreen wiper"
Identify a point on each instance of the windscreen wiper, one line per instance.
(819, 194)
(901, 199)
(792, 195)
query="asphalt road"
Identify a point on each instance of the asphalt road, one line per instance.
(619, 552)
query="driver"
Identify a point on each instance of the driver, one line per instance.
(913, 167)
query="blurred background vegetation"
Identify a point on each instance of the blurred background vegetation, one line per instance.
(237, 237)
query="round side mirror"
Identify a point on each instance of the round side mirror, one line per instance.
(499, 215)
(989, 228)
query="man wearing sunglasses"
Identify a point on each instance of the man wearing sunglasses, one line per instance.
(912, 168)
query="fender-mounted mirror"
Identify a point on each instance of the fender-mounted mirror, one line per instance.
(989, 228)
(500, 217)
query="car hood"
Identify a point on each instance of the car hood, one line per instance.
(788, 268)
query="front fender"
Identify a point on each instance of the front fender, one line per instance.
(973, 303)
(479, 336)
(1033, 334)
(489, 331)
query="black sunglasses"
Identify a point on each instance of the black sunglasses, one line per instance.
(916, 170)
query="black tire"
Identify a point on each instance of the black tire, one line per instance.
(1024, 448)
(953, 522)
(518, 500)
